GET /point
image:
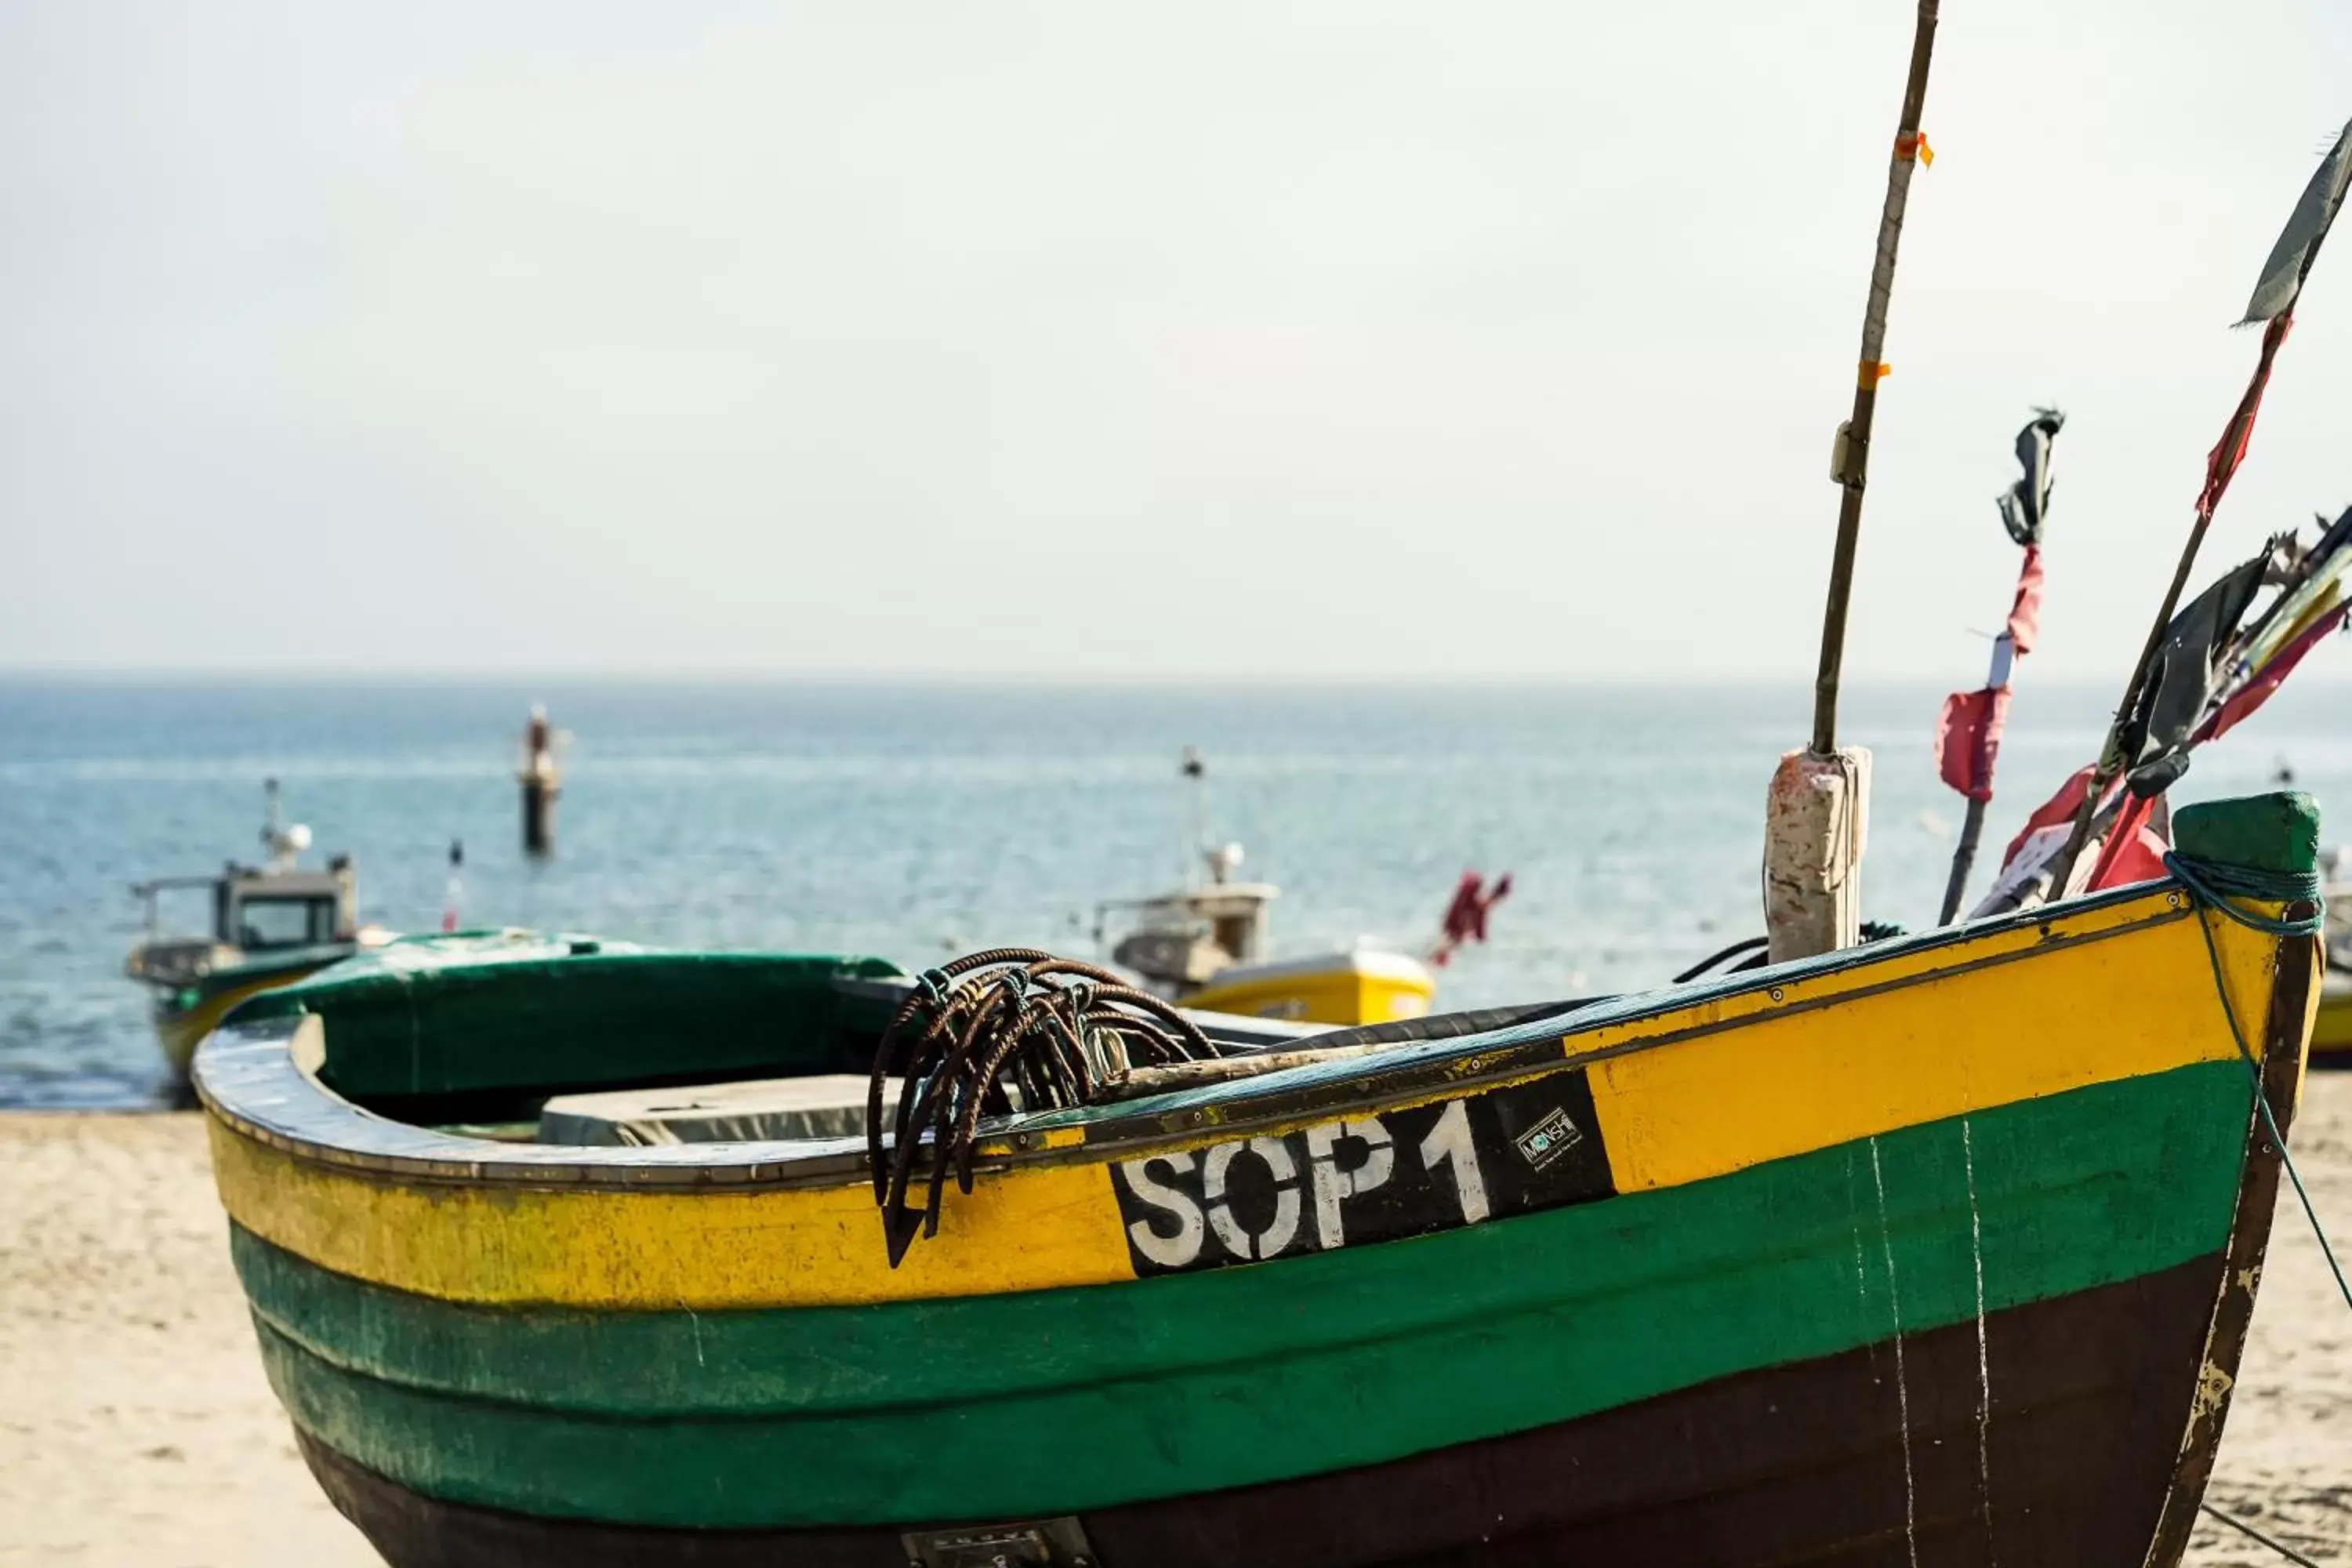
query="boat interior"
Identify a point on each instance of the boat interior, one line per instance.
(572, 1041)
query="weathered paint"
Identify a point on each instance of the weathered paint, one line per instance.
(1028, 1230)
(2061, 1461)
(1234, 1377)
(2078, 1014)
(1682, 1093)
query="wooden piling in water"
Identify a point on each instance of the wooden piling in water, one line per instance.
(542, 785)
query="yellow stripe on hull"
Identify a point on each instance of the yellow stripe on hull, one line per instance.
(1786, 1085)
(1019, 1230)
(2022, 1011)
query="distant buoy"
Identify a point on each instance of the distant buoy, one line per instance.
(454, 899)
(542, 784)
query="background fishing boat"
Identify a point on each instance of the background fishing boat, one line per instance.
(1928, 1250)
(2331, 1030)
(1206, 944)
(270, 925)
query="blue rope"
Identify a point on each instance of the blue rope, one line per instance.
(2217, 885)
(2210, 887)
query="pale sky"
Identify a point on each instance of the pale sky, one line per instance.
(1085, 339)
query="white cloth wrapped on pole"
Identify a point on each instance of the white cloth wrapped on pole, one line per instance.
(1815, 820)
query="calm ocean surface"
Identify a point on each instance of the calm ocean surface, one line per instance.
(917, 822)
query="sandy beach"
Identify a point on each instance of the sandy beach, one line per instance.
(136, 1430)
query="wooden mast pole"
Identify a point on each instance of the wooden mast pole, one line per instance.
(1818, 802)
(1852, 463)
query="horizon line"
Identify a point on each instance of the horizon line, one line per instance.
(93, 674)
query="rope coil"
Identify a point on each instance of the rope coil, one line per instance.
(1008, 1028)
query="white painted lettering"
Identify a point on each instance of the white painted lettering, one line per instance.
(1449, 1141)
(1283, 1168)
(1331, 1184)
(1168, 1251)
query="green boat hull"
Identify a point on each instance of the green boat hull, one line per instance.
(1236, 1377)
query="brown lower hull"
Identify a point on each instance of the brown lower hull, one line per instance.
(1863, 1458)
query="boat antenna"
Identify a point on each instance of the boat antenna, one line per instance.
(1812, 846)
(2273, 306)
(285, 845)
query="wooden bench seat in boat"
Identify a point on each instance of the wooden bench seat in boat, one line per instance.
(825, 1105)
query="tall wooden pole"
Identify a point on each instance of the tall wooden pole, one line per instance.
(1852, 462)
(1815, 812)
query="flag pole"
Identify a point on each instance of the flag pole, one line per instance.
(2272, 304)
(1819, 800)
(1968, 736)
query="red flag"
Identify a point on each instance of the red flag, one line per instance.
(2258, 691)
(2224, 460)
(2025, 611)
(1968, 736)
(1968, 739)
(1465, 917)
(2133, 852)
(2057, 811)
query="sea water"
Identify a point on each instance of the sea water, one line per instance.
(921, 822)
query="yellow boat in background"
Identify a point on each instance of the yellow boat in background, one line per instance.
(2331, 1036)
(2331, 1032)
(1360, 985)
(1204, 946)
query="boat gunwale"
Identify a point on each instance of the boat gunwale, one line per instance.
(242, 1068)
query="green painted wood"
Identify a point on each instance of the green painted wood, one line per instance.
(404, 1032)
(2277, 832)
(1064, 1401)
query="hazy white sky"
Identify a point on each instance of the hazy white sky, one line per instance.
(1080, 338)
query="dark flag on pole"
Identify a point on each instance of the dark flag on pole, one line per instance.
(2273, 306)
(1968, 736)
(2182, 677)
(2298, 243)
(2026, 503)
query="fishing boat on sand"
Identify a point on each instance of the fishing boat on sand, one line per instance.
(270, 925)
(1939, 1249)
(1936, 1249)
